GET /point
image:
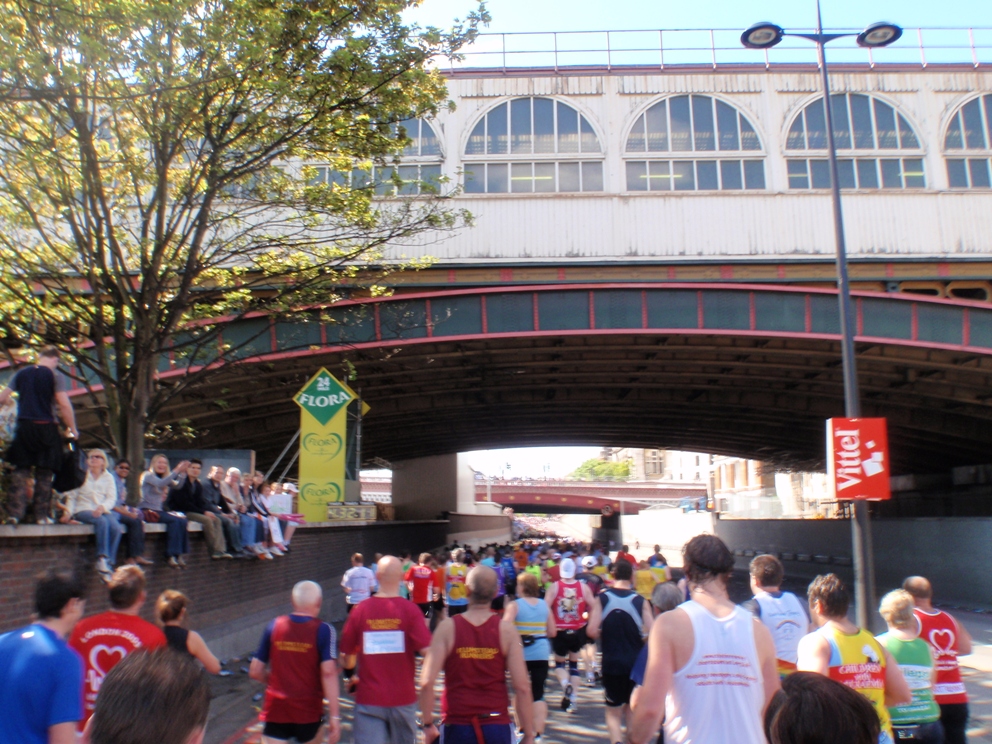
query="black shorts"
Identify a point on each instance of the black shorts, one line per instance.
(538, 671)
(457, 609)
(497, 603)
(569, 641)
(438, 605)
(617, 689)
(302, 732)
(35, 445)
(427, 608)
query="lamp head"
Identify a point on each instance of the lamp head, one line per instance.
(879, 35)
(762, 35)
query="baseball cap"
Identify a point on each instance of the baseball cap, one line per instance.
(291, 488)
(589, 562)
(567, 569)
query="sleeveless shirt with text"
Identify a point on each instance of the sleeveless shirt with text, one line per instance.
(858, 661)
(475, 675)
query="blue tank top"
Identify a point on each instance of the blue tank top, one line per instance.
(533, 621)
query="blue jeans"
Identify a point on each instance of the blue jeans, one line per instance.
(249, 529)
(107, 529)
(176, 534)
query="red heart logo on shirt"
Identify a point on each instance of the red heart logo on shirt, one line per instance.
(943, 641)
(104, 658)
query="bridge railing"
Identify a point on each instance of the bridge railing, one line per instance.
(666, 48)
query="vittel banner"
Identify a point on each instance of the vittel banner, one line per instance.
(858, 458)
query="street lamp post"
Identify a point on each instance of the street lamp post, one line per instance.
(764, 36)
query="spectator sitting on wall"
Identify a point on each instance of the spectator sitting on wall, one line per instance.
(232, 492)
(187, 497)
(220, 506)
(250, 485)
(261, 500)
(93, 503)
(130, 517)
(155, 484)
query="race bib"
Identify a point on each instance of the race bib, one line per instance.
(384, 642)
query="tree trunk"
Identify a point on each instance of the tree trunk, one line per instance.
(135, 419)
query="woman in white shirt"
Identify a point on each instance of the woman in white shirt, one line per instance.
(93, 503)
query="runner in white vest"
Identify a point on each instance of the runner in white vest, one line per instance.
(783, 613)
(711, 665)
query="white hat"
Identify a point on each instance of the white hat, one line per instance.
(589, 561)
(567, 569)
(291, 487)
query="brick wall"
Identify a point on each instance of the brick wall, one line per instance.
(231, 600)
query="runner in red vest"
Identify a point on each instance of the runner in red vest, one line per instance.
(948, 639)
(476, 651)
(296, 662)
(570, 601)
(421, 582)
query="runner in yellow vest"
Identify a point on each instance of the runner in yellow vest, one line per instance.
(844, 652)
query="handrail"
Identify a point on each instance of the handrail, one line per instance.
(714, 48)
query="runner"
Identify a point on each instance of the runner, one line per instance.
(949, 640)
(624, 554)
(713, 661)
(383, 636)
(920, 720)
(842, 651)
(476, 651)
(645, 579)
(622, 618)
(657, 559)
(596, 585)
(420, 584)
(535, 624)
(106, 638)
(454, 584)
(359, 582)
(41, 678)
(781, 612)
(295, 661)
(569, 601)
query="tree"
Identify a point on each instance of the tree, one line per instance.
(596, 469)
(156, 175)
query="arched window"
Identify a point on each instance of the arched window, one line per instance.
(693, 143)
(419, 170)
(529, 145)
(968, 145)
(876, 146)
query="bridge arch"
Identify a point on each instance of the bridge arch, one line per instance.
(750, 370)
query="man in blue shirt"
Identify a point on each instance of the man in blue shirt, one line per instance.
(41, 678)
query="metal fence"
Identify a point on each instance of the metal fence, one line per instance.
(666, 48)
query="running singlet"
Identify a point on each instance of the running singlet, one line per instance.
(532, 625)
(455, 586)
(570, 605)
(475, 676)
(294, 647)
(718, 696)
(858, 661)
(787, 621)
(941, 632)
(913, 658)
(422, 578)
(644, 582)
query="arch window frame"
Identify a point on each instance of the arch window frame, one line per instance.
(875, 166)
(512, 148)
(969, 163)
(708, 156)
(415, 169)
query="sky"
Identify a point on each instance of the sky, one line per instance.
(509, 16)
(582, 15)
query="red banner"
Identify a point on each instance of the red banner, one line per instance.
(858, 458)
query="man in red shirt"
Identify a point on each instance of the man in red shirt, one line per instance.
(421, 582)
(383, 635)
(106, 638)
(948, 639)
(476, 651)
(296, 661)
(625, 555)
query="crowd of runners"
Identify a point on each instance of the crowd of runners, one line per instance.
(676, 661)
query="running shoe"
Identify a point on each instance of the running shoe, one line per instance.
(566, 700)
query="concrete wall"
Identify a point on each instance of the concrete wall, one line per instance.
(426, 487)
(231, 601)
(952, 552)
(479, 529)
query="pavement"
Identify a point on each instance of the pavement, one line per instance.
(236, 698)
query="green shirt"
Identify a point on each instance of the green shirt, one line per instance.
(916, 663)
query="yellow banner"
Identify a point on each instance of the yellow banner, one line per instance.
(323, 403)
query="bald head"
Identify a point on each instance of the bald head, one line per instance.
(481, 583)
(390, 573)
(307, 597)
(920, 589)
